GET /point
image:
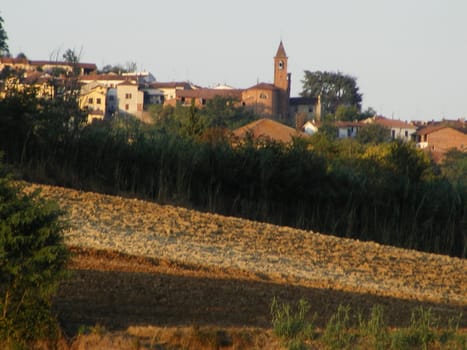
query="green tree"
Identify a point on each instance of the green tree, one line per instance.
(223, 112)
(347, 113)
(3, 40)
(72, 57)
(193, 126)
(32, 262)
(454, 167)
(373, 133)
(128, 67)
(335, 89)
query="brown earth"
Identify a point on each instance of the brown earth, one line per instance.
(140, 264)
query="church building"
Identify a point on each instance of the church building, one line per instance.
(266, 100)
(271, 100)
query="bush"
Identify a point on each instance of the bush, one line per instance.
(337, 334)
(420, 333)
(374, 331)
(32, 261)
(292, 326)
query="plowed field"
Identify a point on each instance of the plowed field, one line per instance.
(137, 263)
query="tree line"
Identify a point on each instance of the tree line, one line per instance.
(385, 192)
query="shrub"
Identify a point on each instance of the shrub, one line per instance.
(337, 334)
(374, 330)
(420, 333)
(32, 260)
(290, 325)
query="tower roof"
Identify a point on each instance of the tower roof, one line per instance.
(281, 51)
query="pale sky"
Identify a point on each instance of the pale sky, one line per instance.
(409, 56)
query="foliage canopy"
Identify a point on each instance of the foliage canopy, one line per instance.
(32, 262)
(335, 89)
(3, 40)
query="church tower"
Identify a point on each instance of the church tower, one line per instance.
(282, 81)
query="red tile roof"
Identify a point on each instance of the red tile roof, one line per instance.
(341, 124)
(270, 129)
(171, 85)
(430, 129)
(117, 77)
(392, 123)
(263, 86)
(63, 63)
(209, 93)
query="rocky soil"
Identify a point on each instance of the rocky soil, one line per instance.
(141, 263)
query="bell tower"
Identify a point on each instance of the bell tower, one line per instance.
(280, 68)
(282, 81)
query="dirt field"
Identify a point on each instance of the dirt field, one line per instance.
(140, 264)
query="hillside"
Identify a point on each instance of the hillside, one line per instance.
(138, 263)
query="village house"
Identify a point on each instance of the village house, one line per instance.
(305, 108)
(200, 96)
(310, 127)
(110, 80)
(438, 139)
(399, 129)
(169, 90)
(347, 129)
(41, 83)
(267, 100)
(26, 65)
(93, 98)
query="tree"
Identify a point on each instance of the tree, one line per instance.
(224, 112)
(32, 263)
(335, 89)
(347, 113)
(193, 126)
(374, 133)
(3, 38)
(129, 67)
(454, 167)
(70, 56)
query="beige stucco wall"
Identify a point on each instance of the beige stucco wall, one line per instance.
(130, 100)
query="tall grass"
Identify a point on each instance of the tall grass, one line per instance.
(346, 330)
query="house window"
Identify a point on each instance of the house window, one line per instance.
(90, 100)
(406, 134)
(393, 134)
(263, 95)
(127, 96)
(98, 101)
(127, 107)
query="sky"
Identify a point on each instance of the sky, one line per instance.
(409, 56)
